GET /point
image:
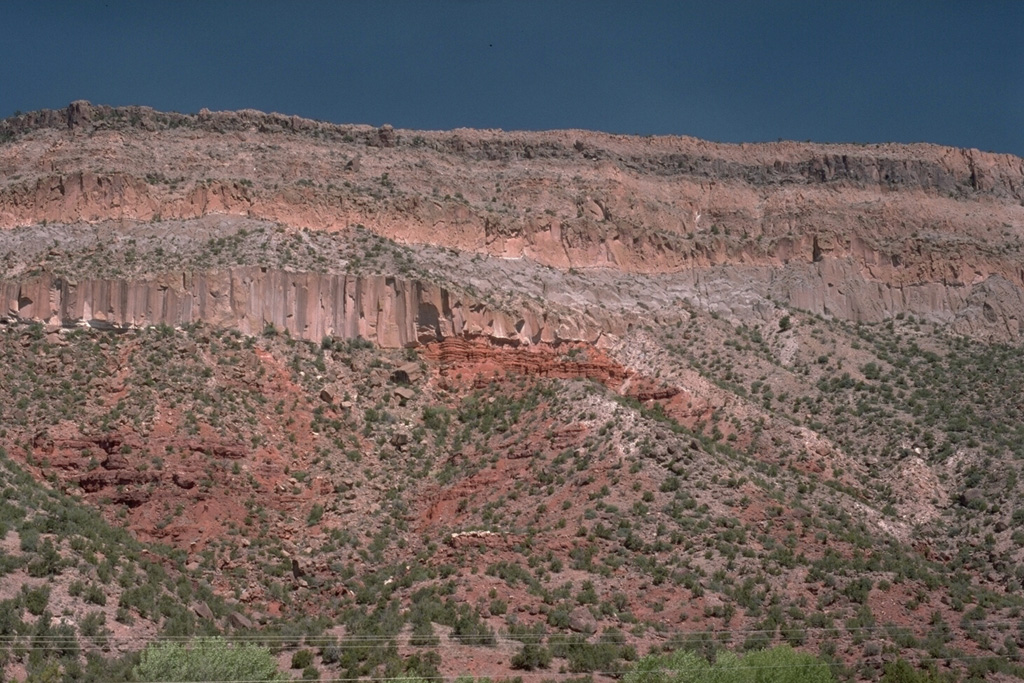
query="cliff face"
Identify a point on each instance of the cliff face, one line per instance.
(388, 311)
(987, 305)
(860, 232)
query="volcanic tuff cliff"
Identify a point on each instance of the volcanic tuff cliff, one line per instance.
(391, 312)
(859, 232)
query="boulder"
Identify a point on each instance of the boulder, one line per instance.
(239, 620)
(386, 136)
(409, 373)
(582, 621)
(973, 498)
(183, 480)
(115, 461)
(203, 611)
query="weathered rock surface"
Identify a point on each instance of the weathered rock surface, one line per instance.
(389, 311)
(862, 232)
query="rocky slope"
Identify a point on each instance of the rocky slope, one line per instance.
(434, 403)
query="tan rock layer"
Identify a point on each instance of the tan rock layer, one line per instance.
(887, 166)
(391, 312)
(859, 232)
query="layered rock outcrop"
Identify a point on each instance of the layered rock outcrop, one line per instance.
(862, 232)
(389, 311)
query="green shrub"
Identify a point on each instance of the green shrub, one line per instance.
(778, 665)
(531, 657)
(302, 659)
(786, 666)
(583, 657)
(468, 628)
(10, 617)
(679, 667)
(316, 513)
(93, 625)
(207, 659)
(901, 671)
(35, 599)
(95, 595)
(331, 654)
(47, 562)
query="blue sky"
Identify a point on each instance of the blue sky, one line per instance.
(858, 71)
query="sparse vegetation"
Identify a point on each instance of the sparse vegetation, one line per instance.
(709, 484)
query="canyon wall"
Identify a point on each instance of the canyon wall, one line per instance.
(388, 311)
(989, 307)
(396, 312)
(861, 232)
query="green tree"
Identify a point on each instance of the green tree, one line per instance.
(901, 671)
(681, 666)
(532, 656)
(207, 659)
(782, 664)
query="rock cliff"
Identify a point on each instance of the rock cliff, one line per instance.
(389, 311)
(863, 232)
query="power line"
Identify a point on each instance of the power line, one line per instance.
(740, 666)
(604, 638)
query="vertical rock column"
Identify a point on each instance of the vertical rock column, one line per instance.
(389, 311)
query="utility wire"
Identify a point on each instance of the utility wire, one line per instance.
(369, 640)
(551, 674)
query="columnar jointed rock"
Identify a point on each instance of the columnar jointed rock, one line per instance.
(389, 311)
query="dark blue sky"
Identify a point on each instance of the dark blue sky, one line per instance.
(858, 71)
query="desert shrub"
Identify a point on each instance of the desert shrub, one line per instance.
(423, 665)
(35, 599)
(681, 666)
(583, 657)
(10, 617)
(101, 669)
(423, 634)
(901, 671)
(207, 659)
(29, 540)
(558, 618)
(858, 589)
(470, 629)
(785, 665)
(331, 654)
(778, 665)
(93, 625)
(531, 657)
(95, 595)
(47, 562)
(302, 659)
(316, 513)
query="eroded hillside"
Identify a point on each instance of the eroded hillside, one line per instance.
(859, 232)
(480, 402)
